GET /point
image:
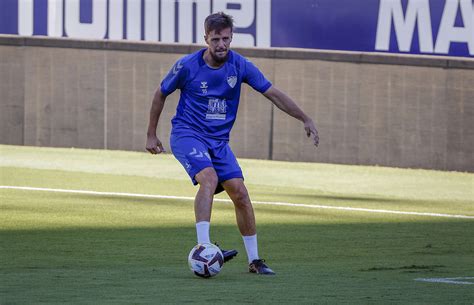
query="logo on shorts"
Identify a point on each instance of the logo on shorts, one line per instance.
(187, 165)
(199, 154)
(232, 81)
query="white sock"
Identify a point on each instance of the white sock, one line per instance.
(202, 230)
(251, 247)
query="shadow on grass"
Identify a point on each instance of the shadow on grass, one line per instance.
(324, 262)
(369, 201)
(341, 198)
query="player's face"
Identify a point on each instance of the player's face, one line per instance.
(219, 44)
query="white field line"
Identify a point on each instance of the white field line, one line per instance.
(287, 204)
(449, 280)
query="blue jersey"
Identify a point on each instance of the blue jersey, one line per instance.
(210, 97)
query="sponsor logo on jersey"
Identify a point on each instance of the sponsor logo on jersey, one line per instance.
(216, 109)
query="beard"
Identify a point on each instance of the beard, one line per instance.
(219, 59)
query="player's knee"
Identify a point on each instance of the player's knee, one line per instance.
(241, 198)
(207, 178)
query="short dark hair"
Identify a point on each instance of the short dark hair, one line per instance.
(217, 22)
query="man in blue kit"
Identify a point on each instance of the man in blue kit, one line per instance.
(210, 82)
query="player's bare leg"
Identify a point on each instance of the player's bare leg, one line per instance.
(246, 222)
(243, 207)
(207, 179)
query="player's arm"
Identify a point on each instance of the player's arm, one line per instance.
(286, 104)
(153, 144)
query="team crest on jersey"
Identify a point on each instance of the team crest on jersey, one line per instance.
(232, 81)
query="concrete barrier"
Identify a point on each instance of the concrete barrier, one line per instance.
(384, 109)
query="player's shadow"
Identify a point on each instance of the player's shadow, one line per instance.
(320, 197)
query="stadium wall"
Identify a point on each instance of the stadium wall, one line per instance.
(374, 109)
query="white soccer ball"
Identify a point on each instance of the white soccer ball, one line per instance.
(205, 260)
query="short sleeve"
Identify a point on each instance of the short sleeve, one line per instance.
(255, 78)
(175, 79)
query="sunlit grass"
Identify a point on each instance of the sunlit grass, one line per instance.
(88, 249)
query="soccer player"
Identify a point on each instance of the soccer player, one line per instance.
(210, 81)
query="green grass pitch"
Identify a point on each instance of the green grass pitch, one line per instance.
(70, 248)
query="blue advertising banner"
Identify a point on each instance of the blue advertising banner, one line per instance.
(432, 27)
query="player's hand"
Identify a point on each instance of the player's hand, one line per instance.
(311, 130)
(153, 145)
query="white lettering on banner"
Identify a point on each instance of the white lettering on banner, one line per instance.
(75, 28)
(55, 18)
(243, 17)
(167, 27)
(134, 20)
(264, 23)
(418, 12)
(404, 25)
(159, 19)
(185, 10)
(25, 17)
(152, 20)
(116, 19)
(449, 33)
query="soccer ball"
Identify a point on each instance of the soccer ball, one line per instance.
(205, 260)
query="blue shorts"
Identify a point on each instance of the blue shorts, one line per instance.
(196, 153)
